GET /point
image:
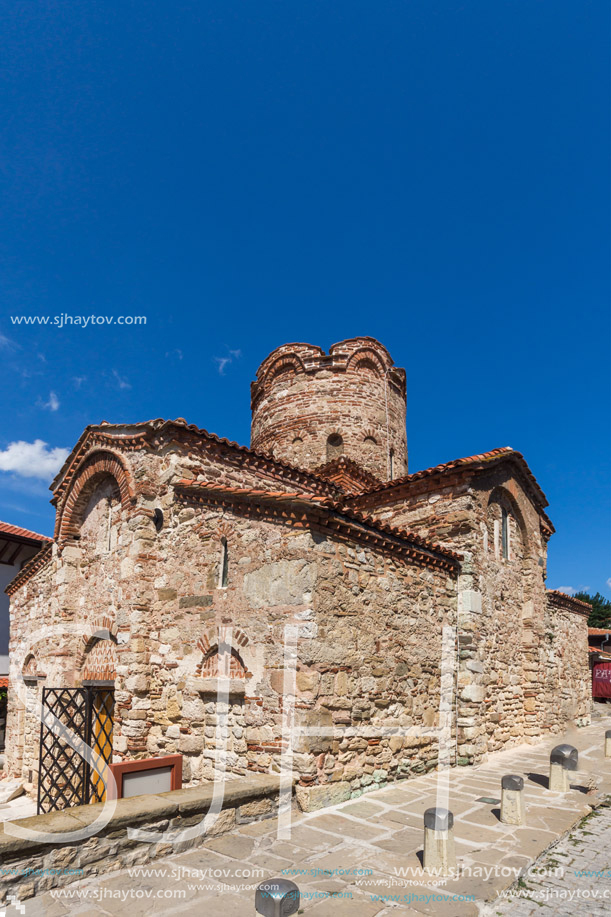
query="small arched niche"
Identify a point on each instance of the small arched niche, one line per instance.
(335, 446)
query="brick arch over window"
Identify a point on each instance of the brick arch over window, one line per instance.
(288, 364)
(366, 360)
(101, 630)
(98, 658)
(31, 668)
(209, 645)
(502, 497)
(94, 468)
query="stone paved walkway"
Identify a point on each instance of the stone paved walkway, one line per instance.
(362, 858)
(22, 807)
(571, 878)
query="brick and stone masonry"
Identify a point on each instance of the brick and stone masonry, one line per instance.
(310, 407)
(175, 542)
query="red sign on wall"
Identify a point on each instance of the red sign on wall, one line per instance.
(601, 680)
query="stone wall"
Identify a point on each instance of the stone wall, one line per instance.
(30, 868)
(367, 625)
(568, 679)
(510, 672)
(310, 407)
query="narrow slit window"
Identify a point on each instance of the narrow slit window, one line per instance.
(109, 528)
(223, 570)
(392, 464)
(505, 534)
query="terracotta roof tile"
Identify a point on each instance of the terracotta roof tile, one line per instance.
(17, 532)
(599, 652)
(158, 424)
(477, 463)
(3, 681)
(347, 474)
(444, 468)
(569, 598)
(598, 631)
(328, 503)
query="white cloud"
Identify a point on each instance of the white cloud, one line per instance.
(121, 381)
(6, 343)
(609, 582)
(51, 405)
(222, 362)
(32, 460)
(78, 381)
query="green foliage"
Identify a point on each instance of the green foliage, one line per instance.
(3, 694)
(600, 615)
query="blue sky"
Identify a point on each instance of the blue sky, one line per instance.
(434, 174)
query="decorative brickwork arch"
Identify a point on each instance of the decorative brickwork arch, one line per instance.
(224, 529)
(299, 436)
(217, 639)
(287, 365)
(99, 660)
(96, 658)
(94, 468)
(30, 668)
(366, 360)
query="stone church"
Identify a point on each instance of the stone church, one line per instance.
(179, 556)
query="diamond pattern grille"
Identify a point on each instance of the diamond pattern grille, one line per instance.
(65, 778)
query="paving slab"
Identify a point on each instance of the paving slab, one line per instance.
(335, 823)
(382, 832)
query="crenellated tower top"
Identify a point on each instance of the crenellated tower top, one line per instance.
(310, 407)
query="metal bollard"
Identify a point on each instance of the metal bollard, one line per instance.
(277, 898)
(439, 854)
(512, 800)
(608, 743)
(563, 759)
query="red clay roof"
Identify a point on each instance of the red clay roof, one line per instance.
(31, 567)
(17, 532)
(481, 458)
(347, 474)
(3, 681)
(599, 652)
(328, 503)
(156, 425)
(598, 631)
(476, 463)
(569, 598)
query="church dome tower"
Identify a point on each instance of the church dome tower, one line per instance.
(310, 407)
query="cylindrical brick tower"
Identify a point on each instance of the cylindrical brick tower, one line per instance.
(309, 407)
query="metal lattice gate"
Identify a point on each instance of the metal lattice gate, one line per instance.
(72, 719)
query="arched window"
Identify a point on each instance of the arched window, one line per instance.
(503, 530)
(224, 564)
(335, 446)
